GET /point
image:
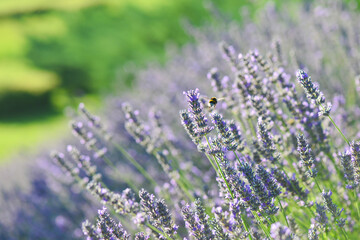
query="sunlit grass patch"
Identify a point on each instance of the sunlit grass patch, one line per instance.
(26, 137)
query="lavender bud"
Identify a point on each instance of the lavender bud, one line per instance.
(158, 212)
(226, 134)
(58, 158)
(112, 227)
(229, 54)
(191, 223)
(355, 158)
(348, 169)
(189, 126)
(278, 231)
(269, 181)
(242, 190)
(216, 80)
(268, 146)
(141, 236)
(313, 233)
(86, 137)
(311, 90)
(83, 162)
(321, 217)
(203, 220)
(332, 208)
(94, 121)
(219, 230)
(306, 156)
(202, 127)
(90, 231)
(236, 136)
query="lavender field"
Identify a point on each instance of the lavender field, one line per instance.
(252, 132)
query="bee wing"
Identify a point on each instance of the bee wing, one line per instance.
(204, 98)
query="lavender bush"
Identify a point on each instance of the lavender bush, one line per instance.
(276, 158)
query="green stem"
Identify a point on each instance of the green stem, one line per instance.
(357, 202)
(237, 157)
(212, 163)
(283, 212)
(343, 231)
(251, 127)
(332, 121)
(111, 164)
(184, 189)
(261, 225)
(158, 231)
(220, 170)
(135, 163)
(223, 176)
(245, 224)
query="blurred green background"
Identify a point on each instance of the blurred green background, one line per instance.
(55, 54)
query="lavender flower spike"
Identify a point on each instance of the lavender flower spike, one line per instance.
(110, 227)
(269, 181)
(202, 127)
(189, 125)
(269, 149)
(348, 169)
(191, 223)
(226, 135)
(306, 156)
(313, 92)
(90, 231)
(158, 212)
(355, 158)
(332, 208)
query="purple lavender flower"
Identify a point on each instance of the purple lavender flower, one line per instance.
(321, 217)
(268, 147)
(141, 236)
(90, 231)
(219, 230)
(332, 208)
(189, 126)
(203, 220)
(94, 122)
(269, 181)
(236, 136)
(137, 129)
(217, 83)
(313, 92)
(158, 212)
(192, 224)
(109, 228)
(242, 190)
(306, 156)
(278, 231)
(226, 135)
(195, 108)
(348, 169)
(229, 54)
(355, 158)
(290, 184)
(313, 233)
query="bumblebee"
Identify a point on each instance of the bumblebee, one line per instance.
(212, 101)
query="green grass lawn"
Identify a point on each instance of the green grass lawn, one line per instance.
(25, 137)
